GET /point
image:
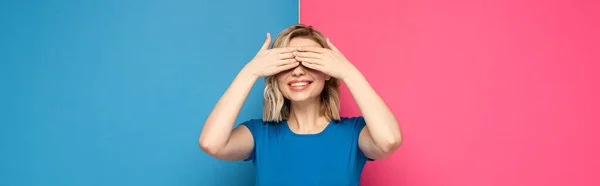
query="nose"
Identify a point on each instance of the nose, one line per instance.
(299, 70)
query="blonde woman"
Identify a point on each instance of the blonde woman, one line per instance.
(301, 138)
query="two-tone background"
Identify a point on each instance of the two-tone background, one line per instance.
(115, 92)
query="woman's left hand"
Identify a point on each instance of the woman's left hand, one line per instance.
(331, 62)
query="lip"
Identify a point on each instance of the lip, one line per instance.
(299, 81)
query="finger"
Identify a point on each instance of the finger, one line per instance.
(308, 54)
(265, 45)
(287, 66)
(309, 60)
(288, 55)
(284, 49)
(313, 66)
(332, 46)
(286, 61)
(312, 49)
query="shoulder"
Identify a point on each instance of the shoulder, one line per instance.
(256, 125)
(352, 119)
(355, 120)
(355, 123)
(253, 123)
(263, 129)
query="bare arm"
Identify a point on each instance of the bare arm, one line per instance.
(217, 137)
(382, 135)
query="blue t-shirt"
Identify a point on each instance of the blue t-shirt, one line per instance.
(331, 157)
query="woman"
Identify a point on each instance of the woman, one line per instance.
(301, 139)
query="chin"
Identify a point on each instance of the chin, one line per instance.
(299, 98)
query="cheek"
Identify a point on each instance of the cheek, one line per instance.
(281, 85)
(280, 80)
(318, 85)
(319, 75)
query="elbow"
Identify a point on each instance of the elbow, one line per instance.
(391, 145)
(207, 147)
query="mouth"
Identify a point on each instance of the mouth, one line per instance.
(299, 84)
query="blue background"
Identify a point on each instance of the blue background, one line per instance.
(113, 92)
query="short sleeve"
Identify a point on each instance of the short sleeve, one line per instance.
(253, 125)
(360, 124)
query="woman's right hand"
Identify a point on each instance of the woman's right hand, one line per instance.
(269, 62)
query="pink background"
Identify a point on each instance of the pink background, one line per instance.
(487, 92)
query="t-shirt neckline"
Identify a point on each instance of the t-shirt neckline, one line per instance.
(287, 126)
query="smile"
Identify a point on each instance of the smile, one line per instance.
(298, 85)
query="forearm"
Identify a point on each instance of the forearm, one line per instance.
(381, 122)
(219, 124)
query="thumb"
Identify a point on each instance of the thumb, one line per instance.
(265, 46)
(332, 46)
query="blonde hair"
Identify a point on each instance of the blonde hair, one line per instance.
(276, 106)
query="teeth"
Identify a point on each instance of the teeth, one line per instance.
(299, 84)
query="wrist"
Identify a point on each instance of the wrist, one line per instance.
(351, 75)
(248, 73)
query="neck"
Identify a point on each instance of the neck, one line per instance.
(305, 116)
